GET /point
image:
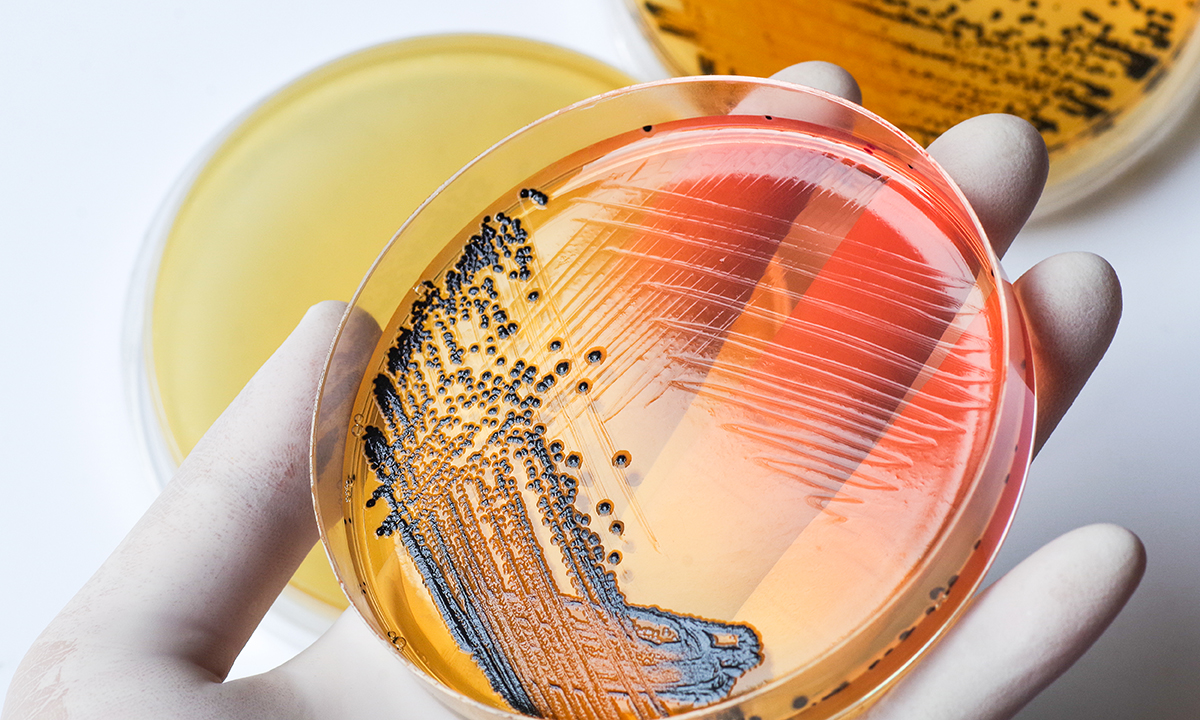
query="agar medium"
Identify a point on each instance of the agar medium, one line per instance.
(702, 397)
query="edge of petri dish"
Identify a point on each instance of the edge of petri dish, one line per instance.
(1151, 123)
(770, 693)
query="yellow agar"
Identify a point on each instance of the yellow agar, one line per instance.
(296, 202)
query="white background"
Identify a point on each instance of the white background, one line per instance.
(103, 105)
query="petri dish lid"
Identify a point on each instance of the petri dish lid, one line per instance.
(704, 397)
(291, 204)
(1103, 83)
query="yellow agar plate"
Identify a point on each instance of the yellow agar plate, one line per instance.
(297, 200)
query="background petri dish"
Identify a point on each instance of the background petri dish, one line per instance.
(1101, 81)
(703, 397)
(296, 200)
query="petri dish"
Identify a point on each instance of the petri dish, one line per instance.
(1102, 81)
(706, 397)
(291, 205)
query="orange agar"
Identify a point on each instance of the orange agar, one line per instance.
(1098, 79)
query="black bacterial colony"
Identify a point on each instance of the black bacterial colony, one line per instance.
(456, 446)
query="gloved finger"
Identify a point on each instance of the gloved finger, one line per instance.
(1000, 164)
(1024, 631)
(822, 76)
(173, 605)
(1072, 304)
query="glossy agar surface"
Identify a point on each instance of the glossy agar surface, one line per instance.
(720, 410)
(1096, 78)
(297, 201)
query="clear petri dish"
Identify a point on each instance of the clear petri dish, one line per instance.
(705, 397)
(1102, 82)
(293, 202)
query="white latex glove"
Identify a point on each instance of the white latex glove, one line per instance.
(155, 631)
